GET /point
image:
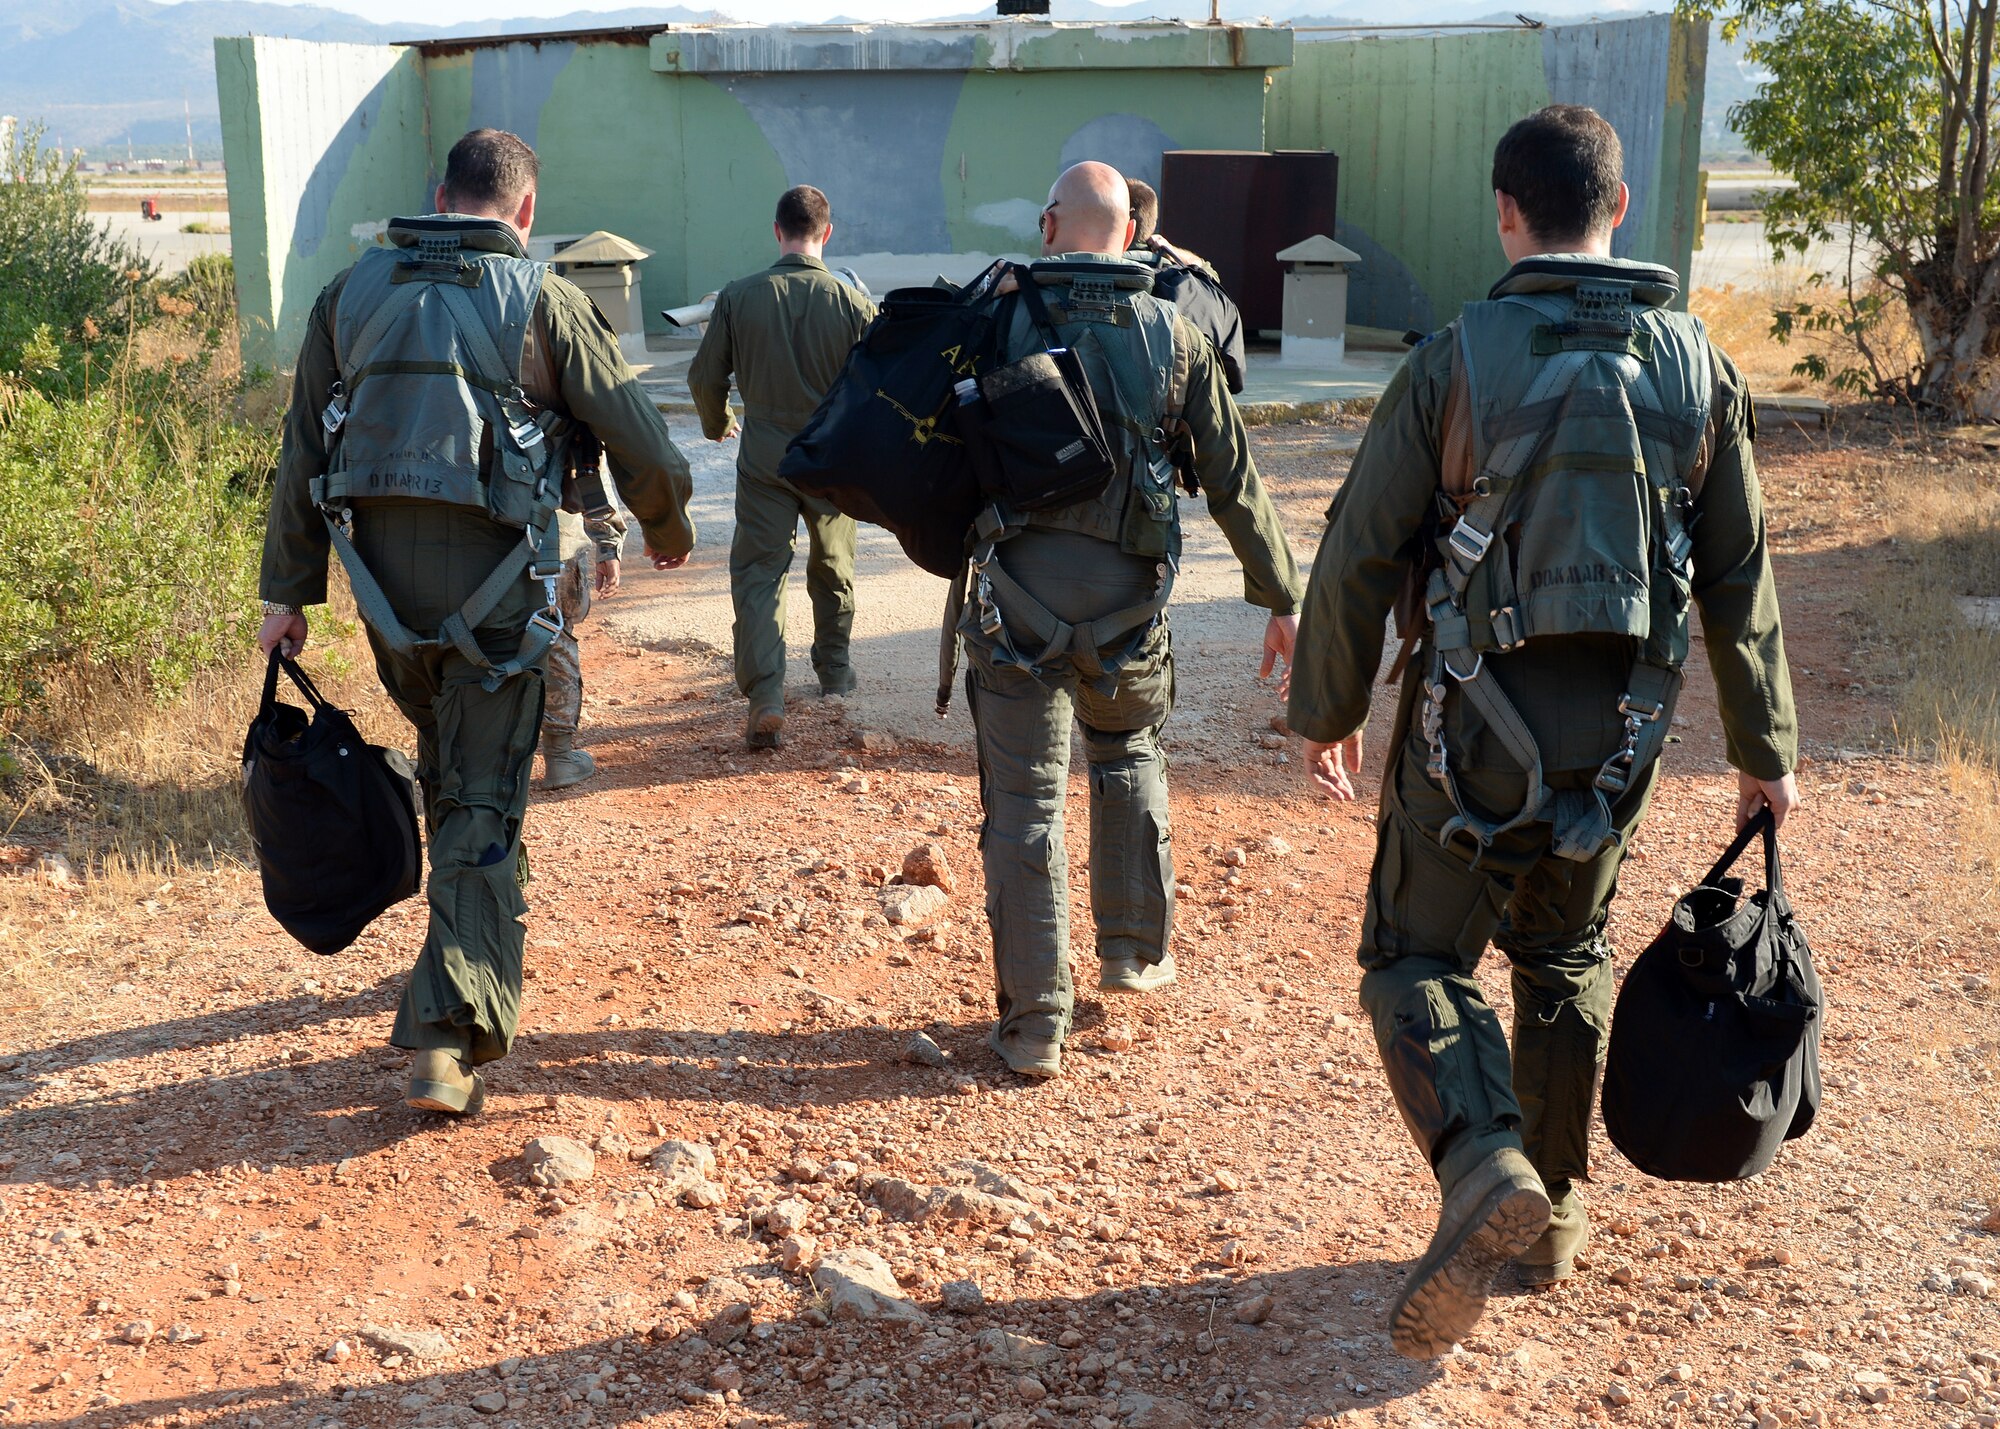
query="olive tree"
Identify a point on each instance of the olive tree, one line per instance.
(1882, 111)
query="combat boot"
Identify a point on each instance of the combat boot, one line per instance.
(1495, 1213)
(439, 1081)
(1031, 1056)
(1130, 974)
(1553, 1257)
(563, 764)
(764, 728)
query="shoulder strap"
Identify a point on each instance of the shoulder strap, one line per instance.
(495, 368)
(402, 297)
(1177, 373)
(1458, 457)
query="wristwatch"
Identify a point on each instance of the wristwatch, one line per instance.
(278, 607)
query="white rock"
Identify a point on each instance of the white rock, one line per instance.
(558, 1161)
(688, 1168)
(859, 1285)
(411, 1344)
(911, 905)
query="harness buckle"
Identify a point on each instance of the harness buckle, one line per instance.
(335, 415)
(1679, 547)
(549, 619)
(1478, 668)
(1636, 709)
(1507, 628)
(989, 613)
(1468, 542)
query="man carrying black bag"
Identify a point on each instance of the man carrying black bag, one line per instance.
(1545, 493)
(1066, 615)
(439, 384)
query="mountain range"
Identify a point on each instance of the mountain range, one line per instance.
(108, 73)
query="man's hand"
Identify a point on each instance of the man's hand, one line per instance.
(1752, 794)
(1281, 634)
(1332, 765)
(284, 633)
(608, 574)
(731, 430)
(665, 563)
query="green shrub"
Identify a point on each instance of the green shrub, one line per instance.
(130, 525)
(60, 275)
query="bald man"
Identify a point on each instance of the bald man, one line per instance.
(1067, 618)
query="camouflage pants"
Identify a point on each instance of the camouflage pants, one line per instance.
(565, 663)
(1023, 722)
(474, 748)
(1430, 917)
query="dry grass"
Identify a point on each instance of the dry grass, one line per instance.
(1941, 501)
(1739, 319)
(140, 798)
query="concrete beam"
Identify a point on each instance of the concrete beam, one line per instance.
(998, 45)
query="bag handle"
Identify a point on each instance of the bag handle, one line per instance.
(1038, 309)
(1764, 823)
(298, 677)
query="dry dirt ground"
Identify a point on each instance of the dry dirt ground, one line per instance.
(215, 1209)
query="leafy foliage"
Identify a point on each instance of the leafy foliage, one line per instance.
(132, 495)
(62, 280)
(1883, 114)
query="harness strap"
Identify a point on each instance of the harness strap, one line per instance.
(536, 637)
(401, 297)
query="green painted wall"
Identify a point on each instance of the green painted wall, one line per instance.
(320, 141)
(1415, 119)
(932, 141)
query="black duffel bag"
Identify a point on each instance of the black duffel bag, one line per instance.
(1714, 1056)
(1037, 438)
(333, 817)
(883, 446)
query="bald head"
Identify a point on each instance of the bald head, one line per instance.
(1090, 211)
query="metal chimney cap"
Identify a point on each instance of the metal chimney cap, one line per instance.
(1318, 249)
(603, 247)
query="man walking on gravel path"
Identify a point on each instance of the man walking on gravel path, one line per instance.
(1544, 490)
(784, 333)
(1069, 617)
(439, 384)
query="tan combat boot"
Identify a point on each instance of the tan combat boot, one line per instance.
(563, 764)
(1491, 1216)
(1135, 975)
(764, 729)
(1031, 1056)
(440, 1082)
(1553, 1257)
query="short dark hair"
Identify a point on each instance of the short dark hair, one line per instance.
(803, 212)
(1145, 211)
(489, 169)
(1562, 165)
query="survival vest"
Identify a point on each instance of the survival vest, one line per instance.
(428, 338)
(1576, 436)
(1138, 364)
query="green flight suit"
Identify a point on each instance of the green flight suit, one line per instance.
(1431, 912)
(1081, 564)
(474, 748)
(784, 333)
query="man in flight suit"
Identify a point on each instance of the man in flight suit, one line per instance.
(1069, 620)
(357, 443)
(1550, 484)
(784, 333)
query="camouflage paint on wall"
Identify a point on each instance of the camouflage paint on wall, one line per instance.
(1415, 119)
(936, 144)
(931, 142)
